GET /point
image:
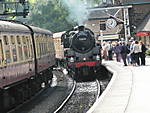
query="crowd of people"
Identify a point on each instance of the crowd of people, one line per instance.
(132, 53)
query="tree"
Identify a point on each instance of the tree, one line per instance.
(50, 15)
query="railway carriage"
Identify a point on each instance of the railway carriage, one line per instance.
(27, 56)
(59, 49)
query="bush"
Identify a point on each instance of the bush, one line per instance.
(147, 52)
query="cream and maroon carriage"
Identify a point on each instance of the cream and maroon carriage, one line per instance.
(26, 58)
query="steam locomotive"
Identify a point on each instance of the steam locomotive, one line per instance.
(27, 56)
(82, 53)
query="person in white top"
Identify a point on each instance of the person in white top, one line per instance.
(104, 51)
(136, 50)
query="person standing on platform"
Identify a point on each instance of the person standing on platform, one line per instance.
(136, 50)
(142, 53)
(131, 55)
(110, 48)
(124, 52)
(104, 51)
(117, 50)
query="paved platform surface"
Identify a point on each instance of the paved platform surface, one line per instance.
(127, 92)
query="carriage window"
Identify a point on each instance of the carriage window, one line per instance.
(12, 40)
(1, 53)
(31, 51)
(8, 56)
(26, 52)
(24, 40)
(29, 46)
(43, 48)
(14, 53)
(6, 40)
(37, 46)
(39, 49)
(18, 40)
(20, 52)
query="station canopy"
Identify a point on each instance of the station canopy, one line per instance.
(143, 34)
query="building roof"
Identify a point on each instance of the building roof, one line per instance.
(145, 25)
(101, 14)
(137, 2)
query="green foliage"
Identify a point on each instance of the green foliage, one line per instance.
(50, 15)
(94, 2)
(147, 52)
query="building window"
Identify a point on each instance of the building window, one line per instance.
(103, 27)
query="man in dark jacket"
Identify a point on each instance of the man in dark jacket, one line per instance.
(110, 48)
(124, 52)
(117, 50)
(142, 53)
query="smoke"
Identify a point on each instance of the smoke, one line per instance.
(77, 10)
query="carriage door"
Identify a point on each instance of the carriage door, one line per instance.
(30, 54)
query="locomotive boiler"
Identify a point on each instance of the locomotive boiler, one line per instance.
(82, 53)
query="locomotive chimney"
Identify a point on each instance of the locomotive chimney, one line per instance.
(81, 28)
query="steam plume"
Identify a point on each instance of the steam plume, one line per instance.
(77, 9)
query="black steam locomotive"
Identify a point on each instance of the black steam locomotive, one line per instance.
(82, 54)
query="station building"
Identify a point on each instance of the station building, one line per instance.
(107, 28)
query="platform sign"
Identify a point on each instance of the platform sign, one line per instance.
(109, 37)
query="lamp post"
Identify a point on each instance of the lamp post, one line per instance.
(126, 24)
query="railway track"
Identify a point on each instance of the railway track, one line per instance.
(22, 104)
(81, 98)
(64, 96)
(49, 99)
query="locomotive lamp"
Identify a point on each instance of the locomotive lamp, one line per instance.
(65, 71)
(97, 57)
(71, 59)
(84, 58)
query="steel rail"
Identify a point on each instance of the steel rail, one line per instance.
(66, 100)
(99, 89)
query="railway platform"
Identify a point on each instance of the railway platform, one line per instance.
(128, 90)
